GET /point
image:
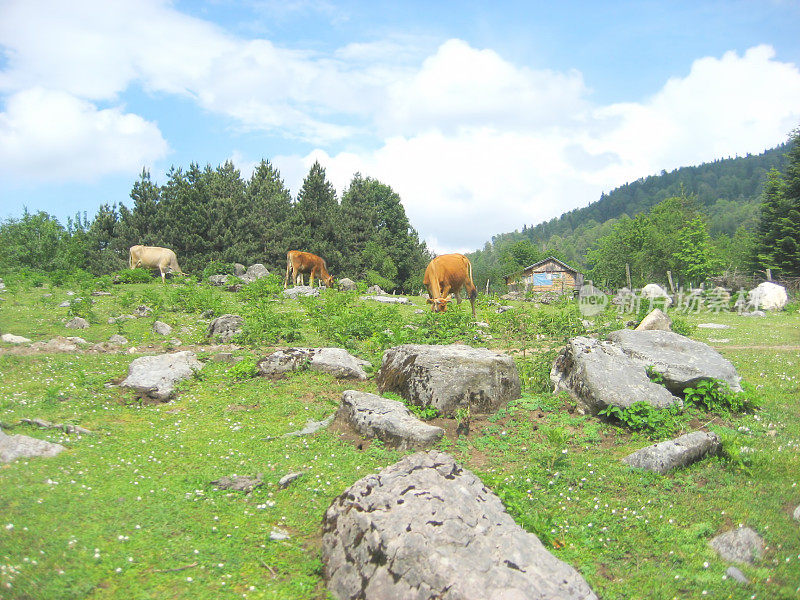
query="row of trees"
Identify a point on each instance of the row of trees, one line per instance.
(212, 214)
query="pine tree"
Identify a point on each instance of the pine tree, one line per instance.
(264, 222)
(316, 217)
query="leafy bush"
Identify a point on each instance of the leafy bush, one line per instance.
(269, 286)
(153, 298)
(134, 276)
(641, 416)
(682, 326)
(264, 324)
(81, 306)
(194, 299)
(244, 369)
(714, 395)
(534, 371)
(654, 375)
(341, 321)
(216, 267)
(103, 283)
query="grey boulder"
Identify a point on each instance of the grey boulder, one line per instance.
(449, 377)
(427, 528)
(77, 323)
(680, 360)
(161, 328)
(388, 420)
(335, 361)
(655, 319)
(118, 340)
(598, 374)
(672, 454)
(347, 285)
(741, 545)
(10, 338)
(17, 446)
(226, 327)
(254, 272)
(239, 269)
(156, 376)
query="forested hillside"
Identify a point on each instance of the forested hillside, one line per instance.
(726, 194)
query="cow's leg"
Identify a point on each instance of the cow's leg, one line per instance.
(311, 278)
(286, 279)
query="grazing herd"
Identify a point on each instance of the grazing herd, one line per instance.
(445, 275)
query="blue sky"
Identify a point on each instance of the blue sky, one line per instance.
(482, 116)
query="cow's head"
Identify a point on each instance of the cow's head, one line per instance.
(439, 304)
(329, 281)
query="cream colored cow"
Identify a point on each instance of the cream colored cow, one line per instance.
(154, 257)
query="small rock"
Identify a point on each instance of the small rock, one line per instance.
(142, 311)
(289, 478)
(118, 340)
(77, 340)
(47, 295)
(161, 328)
(375, 290)
(278, 535)
(254, 272)
(672, 454)
(713, 326)
(312, 426)
(218, 279)
(238, 483)
(742, 545)
(388, 299)
(70, 293)
(65, 304)
(101, 293)
(737, 575)
(347, 285)
(300, 290)
(796, 514)
(17, 446)
(120, 318)
(10, 338)
(226, 327)
(77, 323)
(755, 313)
(656, 319)
(501, 309)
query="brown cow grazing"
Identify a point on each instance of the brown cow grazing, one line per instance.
(298, 263)
(154, 257)
(449, 273)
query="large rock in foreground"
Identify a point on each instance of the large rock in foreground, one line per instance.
(598, 375)
(17, 446)
(426, 528)
(680, 360)
(156, 376)
(682, 451)
(388, 420)
(449, 377)
(336, 361)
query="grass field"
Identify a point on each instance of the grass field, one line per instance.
(129, 511)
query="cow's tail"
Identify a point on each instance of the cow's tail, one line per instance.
(473, 293)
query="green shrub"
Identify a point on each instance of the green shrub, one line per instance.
(534, 371)
(641, 416)
(714, 395)
(263, 324)
(134, 276)
(194, 299)
(217, 267)
(244, 369)
(269, 286)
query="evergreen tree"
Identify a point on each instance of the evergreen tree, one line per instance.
(264, 222)
(316, 217)
(140, 224)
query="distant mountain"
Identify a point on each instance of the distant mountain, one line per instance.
(730, 181)
(728, 191)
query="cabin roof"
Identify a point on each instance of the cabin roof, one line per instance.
(541, 262)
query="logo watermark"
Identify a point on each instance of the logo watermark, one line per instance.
(592, 301)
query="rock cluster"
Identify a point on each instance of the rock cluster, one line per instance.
(335, 361)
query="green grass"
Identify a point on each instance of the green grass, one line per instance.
(130, 512)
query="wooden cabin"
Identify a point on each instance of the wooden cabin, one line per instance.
(548, 275)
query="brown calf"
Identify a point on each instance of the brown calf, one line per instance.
(298, 263)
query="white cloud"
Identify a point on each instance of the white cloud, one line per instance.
(47, 135)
